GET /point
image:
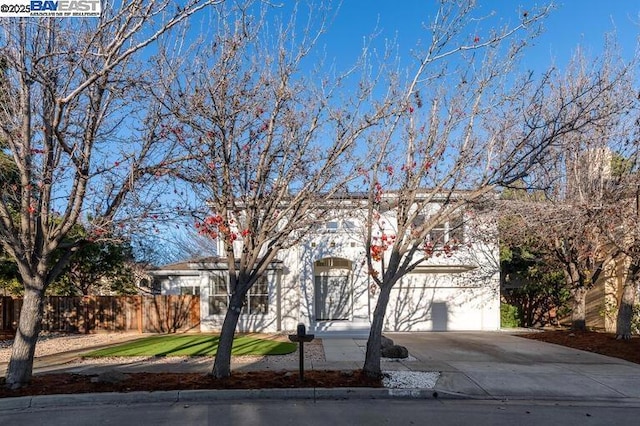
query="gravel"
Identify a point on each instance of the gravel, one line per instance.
(54, 343)
(410, 379)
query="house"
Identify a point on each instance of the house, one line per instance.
(324, 283)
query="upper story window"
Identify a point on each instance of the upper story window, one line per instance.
(449, 232)
(437, 235)
(418, 221)
(332, 226)
(456, 230)
(349, 225)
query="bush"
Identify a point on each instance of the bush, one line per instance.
(509, 316)
(635, 320)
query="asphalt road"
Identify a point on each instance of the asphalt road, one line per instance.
(352, 412)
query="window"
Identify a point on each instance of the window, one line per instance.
(256, 302)
(189, 286)
(451, 232)
(333, 262)
(456, 230)
(332, 227)
(418, 221)
(190, 290)
(218, 295)
(258, 297)
(155, 286)
(437, 234)
(349, 225)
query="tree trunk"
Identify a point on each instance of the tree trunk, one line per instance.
(20, 366)
(578, 298)
(374, 344)
(627, 301)
(222, 363)
(579, 309)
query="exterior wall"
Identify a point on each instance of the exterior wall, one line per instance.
(459, 293)
(290, 291)
(171, 285)
(603, 298)
(443, 302)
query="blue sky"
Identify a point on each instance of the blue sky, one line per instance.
(571, 23)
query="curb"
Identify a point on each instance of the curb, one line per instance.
(314, 394)
(194, 396)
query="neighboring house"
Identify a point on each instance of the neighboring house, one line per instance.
(324, 283)
(604, 297)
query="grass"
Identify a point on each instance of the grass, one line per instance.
(193, 345)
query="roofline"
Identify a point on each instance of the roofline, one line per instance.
(204, 264)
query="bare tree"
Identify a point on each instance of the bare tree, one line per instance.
(74, 121)
(269, 144)
(619, 222)
(566, 235)
(578, 176)
(192, 244)
(468, 125)
(618, 217)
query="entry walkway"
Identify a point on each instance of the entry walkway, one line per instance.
(343, 349)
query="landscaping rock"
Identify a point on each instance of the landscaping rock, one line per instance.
(395, 351)
(386, 342)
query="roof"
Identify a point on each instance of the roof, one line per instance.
(202, 264)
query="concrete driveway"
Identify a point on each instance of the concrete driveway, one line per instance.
(500, 365)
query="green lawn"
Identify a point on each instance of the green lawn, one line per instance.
(193, 345)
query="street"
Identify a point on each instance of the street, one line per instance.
(351, 412)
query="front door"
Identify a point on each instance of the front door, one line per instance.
(333, 301)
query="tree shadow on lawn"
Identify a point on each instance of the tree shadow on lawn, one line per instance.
(193, 345)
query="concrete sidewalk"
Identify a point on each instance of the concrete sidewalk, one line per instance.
(482, 365)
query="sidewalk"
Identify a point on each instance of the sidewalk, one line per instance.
(479, 365)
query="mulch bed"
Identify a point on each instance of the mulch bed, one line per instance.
(67, 383)
(591, 341)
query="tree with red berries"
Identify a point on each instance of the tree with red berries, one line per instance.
(269, 143)
(468, 125)
(75, 121)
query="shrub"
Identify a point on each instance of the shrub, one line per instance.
(635, 320)
(509, 316)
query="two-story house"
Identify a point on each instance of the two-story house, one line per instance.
(324, 282)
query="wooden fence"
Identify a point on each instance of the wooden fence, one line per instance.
(145, 314)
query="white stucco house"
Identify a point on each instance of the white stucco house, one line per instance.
(324, 283)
